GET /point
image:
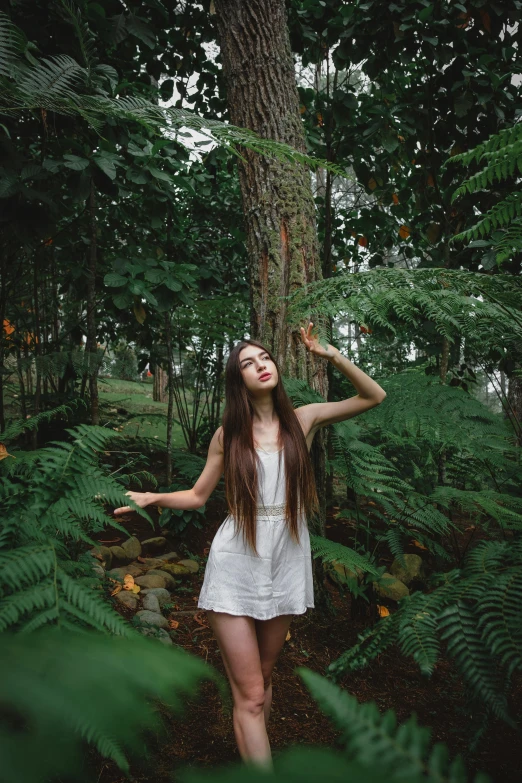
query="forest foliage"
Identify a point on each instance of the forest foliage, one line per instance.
(122, 236)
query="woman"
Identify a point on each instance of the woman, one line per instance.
(259, 571)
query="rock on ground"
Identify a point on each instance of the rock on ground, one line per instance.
(119, 554)
(152, 562)
(170, 582)
(152, 618)
(154, 543)
(150, 580)
(392, 588)
(119, 573)
(132, 548)
(161, 594)
(192, 566)
(151, 602)
(105, 553)
(170, 556)
(157, 633)
(412, 568)
(127, 598)
(175, 569)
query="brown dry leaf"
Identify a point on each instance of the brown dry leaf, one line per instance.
(198, 618)
(363, 241)
(404, 232)
(395, 198)
(372, 183)
(194, 598)
(4, 453)
(206, 550)
(288, 636)
(117, 589)
(128, 582)
(418, 544)
(173, 624)
(383, 611)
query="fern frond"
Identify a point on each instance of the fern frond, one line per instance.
(44, 689)
(459, 627)
(331, 551)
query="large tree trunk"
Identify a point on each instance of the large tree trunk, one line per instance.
(277, 195)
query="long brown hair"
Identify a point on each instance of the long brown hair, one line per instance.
(241, 458)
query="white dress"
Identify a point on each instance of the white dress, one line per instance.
(279, 580)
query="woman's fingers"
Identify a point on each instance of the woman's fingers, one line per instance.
(122, 510)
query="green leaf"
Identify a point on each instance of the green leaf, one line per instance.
(113, 279)
(158, 174)
(75, 163)
(106, 165)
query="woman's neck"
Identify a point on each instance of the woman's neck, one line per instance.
(265, 415)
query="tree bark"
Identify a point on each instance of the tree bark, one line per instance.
(159, 385)
(277, 197)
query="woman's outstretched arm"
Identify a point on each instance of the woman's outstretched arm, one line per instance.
(369, 393)
(187, 498)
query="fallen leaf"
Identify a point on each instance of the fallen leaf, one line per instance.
(363, 241)
(173, 624)
(395, 198)
(418, 544)
(4, 453)
(198, 618)
(383, 611)
(128, 582)
(117, 589)
(404, 232)
(288, 636)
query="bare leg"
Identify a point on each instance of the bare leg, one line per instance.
(238, 644)
(271, 635)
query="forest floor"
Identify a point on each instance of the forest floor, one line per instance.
(204, 737)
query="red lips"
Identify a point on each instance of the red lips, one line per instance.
(265, 376)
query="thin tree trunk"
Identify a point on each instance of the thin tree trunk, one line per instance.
(2, 353)
(159, 385)
(443, 373)
(170, 407)
(36, 339)
(278, 203)
(91, 344)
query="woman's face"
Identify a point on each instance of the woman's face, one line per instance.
(258, 370)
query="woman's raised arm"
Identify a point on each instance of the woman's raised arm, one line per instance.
(187, 498)
(369, 393)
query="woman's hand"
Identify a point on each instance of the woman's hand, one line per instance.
(313, 344)
(141, 499)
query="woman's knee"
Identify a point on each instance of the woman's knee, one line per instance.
(252, 698)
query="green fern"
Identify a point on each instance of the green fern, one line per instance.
(404, 751)
(480, 307)
(50, 687)
(60, 84)
(332, 552)
(501, 160)
(475, 610)
(50, 513)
